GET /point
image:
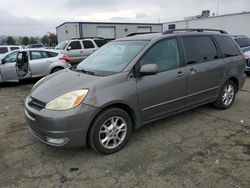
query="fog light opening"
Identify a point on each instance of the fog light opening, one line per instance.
(56, 141)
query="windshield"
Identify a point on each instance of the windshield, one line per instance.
(62, 45)
(246, 49)
(112, 58)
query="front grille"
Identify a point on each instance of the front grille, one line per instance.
(34, 103)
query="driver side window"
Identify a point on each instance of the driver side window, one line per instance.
(165, 54)
(11, 58)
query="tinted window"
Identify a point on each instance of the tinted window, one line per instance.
(3, 50)
(171, 26)
(75, 45)
(87, 44)
(227, 46)
(11, 57)
(38, 55)
(165, 54)
(52, 54)
(100, 43)
(243, 42)
(199, 49)
(14, 48)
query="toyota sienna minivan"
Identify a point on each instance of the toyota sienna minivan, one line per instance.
(132, 81)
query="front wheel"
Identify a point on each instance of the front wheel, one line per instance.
(226, 96)
(110, 131)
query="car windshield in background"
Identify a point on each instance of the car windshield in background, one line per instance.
(62, 45)
(246, 49)
(111, 58)
(243, 42)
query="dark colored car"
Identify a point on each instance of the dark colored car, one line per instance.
(132, 81)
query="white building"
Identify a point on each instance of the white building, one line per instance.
(107, 30)
(234, 24)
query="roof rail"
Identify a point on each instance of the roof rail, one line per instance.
(88, 38)
(197, 30)
(142, 33)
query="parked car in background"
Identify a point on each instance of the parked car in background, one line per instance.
(30, 63)
(35, 46)
(247, 55)
(8, 48)
(133, 81)
(243, 42)
(79, 49)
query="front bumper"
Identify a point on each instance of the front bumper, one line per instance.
(69, 126)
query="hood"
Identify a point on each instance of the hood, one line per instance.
(61, 83)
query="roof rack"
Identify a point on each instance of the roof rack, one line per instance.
(141, 33)
(197, 30)
(88, 38)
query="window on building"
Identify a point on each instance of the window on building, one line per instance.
(171, 26)
(164, 54)
(87, 44)
(227, 46)
(199, 49)
(75, 45)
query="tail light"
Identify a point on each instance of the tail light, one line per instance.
(64, 58)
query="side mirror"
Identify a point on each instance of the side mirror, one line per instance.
(69, 48)
(149, 69)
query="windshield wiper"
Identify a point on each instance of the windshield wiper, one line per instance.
(86, 72)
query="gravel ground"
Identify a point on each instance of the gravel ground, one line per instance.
(203, 147)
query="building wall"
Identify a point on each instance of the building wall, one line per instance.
(67, 31)
(235, 24)
(90, 29)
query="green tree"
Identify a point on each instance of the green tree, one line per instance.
(52, 38)
(10, 40)
(33, 40)
(45, 40)
(25, 40)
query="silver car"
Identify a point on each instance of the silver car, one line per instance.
(30, 63)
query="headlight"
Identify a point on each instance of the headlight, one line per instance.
(67, 101)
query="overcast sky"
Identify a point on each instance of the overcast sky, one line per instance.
(35, 18)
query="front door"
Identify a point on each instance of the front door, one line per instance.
(75, 51)
(89, 48)
(8, 68)
(164, 92)
(205, 69)
(22, 65)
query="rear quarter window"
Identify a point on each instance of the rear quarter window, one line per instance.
(227, 46)
(52, 54)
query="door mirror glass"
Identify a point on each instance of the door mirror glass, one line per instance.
(149, 69)
(69, 48)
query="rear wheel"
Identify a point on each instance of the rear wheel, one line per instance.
(226, 96)
(110, 131)
(56, 70)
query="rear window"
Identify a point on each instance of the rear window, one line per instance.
(243, 42)
(100, 43)
(52, 54)
(3, 50)
(199, 49)
(14, 48)
(87, 44)
(227, 46)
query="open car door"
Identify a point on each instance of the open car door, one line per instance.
(22, 65)
(8, 71)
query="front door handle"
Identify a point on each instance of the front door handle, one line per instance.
(193, 71)
(180, 74)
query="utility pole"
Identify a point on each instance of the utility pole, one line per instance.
(217, 4)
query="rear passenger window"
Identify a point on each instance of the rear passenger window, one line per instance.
(199, 49)
(3, 50)
(227, 46)
(100, 43)
(38, 55)
(87, 44)
(165, 54)
(52, 54)
(75, 45)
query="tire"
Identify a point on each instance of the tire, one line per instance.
(226, 98)
(56, 70)
(102, 130)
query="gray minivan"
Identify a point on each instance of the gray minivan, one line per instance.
(133, 81)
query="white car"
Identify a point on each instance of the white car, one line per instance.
(30, 63)
(8, 48)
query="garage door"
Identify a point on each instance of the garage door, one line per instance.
(107, 32)
(143, 29)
